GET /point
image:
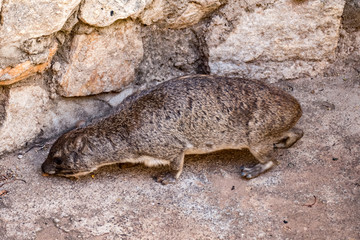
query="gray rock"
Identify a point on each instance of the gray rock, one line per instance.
(171, 53)
(25, 20)
(102, 13)
(26, 106)
(274, 39)
(351, 15)
(101, 60)
(178, 14)
(3, 103)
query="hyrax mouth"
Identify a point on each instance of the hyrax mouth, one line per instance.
(65, 173)
(74, 174)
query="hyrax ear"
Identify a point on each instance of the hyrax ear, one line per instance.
(74, 157)
(80, 143)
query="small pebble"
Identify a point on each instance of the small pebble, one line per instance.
(20, 156)
(285, 221)
(291, 165)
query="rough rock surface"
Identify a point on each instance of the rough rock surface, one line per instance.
(153, 13)
(178, 14)
(3, 103)
(38, 64)
(347, 61)
(23, 20)
(102, 13)
(171, 53)
(351, 16)
(312, 194)
(194, 12)
(102, 60)
(25, 105)
(274, 39)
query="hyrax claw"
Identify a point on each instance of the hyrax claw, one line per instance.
(252, 172)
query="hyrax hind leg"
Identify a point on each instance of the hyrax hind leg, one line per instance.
(289, 138)
(264, 154)
(176, 167)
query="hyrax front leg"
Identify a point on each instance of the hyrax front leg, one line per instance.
(264, 154)
(176, 167)
(289, 138)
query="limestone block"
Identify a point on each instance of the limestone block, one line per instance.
(25, 21)
(153, 13)
(102, 13)
(101, 61)
(194, 12)
(22, 20)
(10, 75)
(281, 39)
(24, 111)
(178, 14)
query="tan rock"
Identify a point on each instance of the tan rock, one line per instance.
(178, 14)
(24, 111)
(194, 12)
(102, 13)
(102, 61)
(10, 75)
(153, 13)
(278, 40)
(22, 21)
(29, 19)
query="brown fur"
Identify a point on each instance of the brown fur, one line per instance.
(191, 114)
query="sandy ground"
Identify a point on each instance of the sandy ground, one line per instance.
(314, 192)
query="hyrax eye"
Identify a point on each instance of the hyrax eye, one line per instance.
(57, 160)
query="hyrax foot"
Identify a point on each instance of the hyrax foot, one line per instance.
(166, 178)
(175, 170)
(252, 172)
(289, 138)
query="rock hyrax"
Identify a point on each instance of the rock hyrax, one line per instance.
(187, 115)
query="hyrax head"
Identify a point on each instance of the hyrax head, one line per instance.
(70, 156)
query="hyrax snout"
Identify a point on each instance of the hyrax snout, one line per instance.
(187, 115)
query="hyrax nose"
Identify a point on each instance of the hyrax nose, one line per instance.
(46, 168)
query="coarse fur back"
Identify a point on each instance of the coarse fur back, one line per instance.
(186, 115)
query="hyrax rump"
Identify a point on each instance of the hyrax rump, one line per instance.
(187, 115)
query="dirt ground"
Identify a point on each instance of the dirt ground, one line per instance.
(314, 192)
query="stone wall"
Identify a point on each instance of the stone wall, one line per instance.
(62, 62)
